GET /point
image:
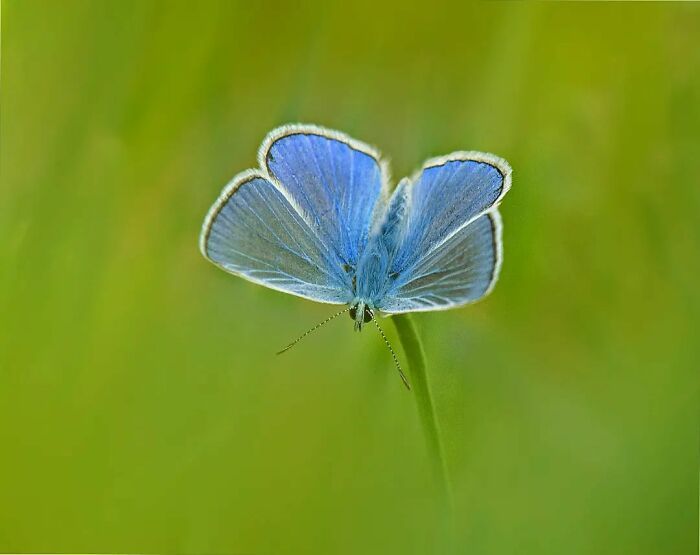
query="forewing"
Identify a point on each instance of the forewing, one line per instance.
(449, 250)
(335, 180)
(256, 231)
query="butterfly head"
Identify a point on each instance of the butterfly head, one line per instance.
(361, 313)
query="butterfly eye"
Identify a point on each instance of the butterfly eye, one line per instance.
(353, 312)
(368, 315)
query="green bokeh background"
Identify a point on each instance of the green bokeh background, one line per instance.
(142, 408)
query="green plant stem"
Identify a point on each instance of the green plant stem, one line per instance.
(415, 355)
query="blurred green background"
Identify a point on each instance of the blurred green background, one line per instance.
(142, 408)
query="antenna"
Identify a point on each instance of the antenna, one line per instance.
(393, 355)
(307, 332)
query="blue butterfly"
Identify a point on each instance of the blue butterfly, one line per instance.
(317, 220)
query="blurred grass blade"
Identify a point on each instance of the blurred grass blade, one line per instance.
(415, 355)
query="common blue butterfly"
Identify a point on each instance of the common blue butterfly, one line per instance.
(317, 220)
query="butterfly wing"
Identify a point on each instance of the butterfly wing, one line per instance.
(279, 226)
(449, 249)
(334, 179)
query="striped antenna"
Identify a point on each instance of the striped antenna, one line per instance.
(393, 354)
(307, 332)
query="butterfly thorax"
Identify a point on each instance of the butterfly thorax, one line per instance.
(373, 277)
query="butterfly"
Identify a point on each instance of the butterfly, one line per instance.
(317, 220)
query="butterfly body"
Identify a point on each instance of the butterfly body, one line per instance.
(373, 277)
(317, 221)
